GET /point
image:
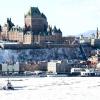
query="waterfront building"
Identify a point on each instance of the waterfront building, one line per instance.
(94, 61)
(53, 66)
(10, 68)
(58, 66)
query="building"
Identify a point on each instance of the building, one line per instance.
(47, 39)
(16, 34)
(69, 40)
(59, 67)
(35, 21)
(52, 36)
(53, 66)
(95, 42)
(28, 38)
(36, 30)
(84, 40)
(4, 33)
(93, 61)
(10, 68)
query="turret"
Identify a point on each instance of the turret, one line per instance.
(9, 24)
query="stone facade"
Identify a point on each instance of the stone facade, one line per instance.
(35, 21)
(36, 30)
(4, 33)
(15, 35)
(28, 38)
(48, 39)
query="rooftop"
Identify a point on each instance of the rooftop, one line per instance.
(34, 11)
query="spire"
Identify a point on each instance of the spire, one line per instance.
(0, 28)
(97, 33)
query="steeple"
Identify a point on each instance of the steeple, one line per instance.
(97, 34)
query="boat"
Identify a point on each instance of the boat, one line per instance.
(75, 72)
(88, 73)
(9, 86)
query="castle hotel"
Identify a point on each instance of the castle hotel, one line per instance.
(36, 30)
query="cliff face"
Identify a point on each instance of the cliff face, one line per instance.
(41, 54)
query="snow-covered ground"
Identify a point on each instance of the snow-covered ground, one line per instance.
(52, 88)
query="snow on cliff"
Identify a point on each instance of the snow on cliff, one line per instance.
(40, 54)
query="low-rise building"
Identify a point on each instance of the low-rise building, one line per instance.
(94, 61)
(59, 67)
(84, 40)
(10, 68)
(95, 42)
(53, 66)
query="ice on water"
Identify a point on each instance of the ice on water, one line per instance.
(52, 88)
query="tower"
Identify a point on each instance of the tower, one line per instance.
(0, 32)
(35, 21)
(97, 34)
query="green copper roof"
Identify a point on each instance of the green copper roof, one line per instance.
(34, 11)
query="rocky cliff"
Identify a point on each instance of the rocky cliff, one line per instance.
(42, 54)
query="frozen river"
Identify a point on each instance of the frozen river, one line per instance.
(52, 88)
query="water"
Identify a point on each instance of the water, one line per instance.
(52, 88)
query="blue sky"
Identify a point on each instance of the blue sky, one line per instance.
(72, 16)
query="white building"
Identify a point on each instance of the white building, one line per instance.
(98, 66)
(59, 67)
(52, 66)
(84, 39)
(10, 67)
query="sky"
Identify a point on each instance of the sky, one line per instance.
(71, 16)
